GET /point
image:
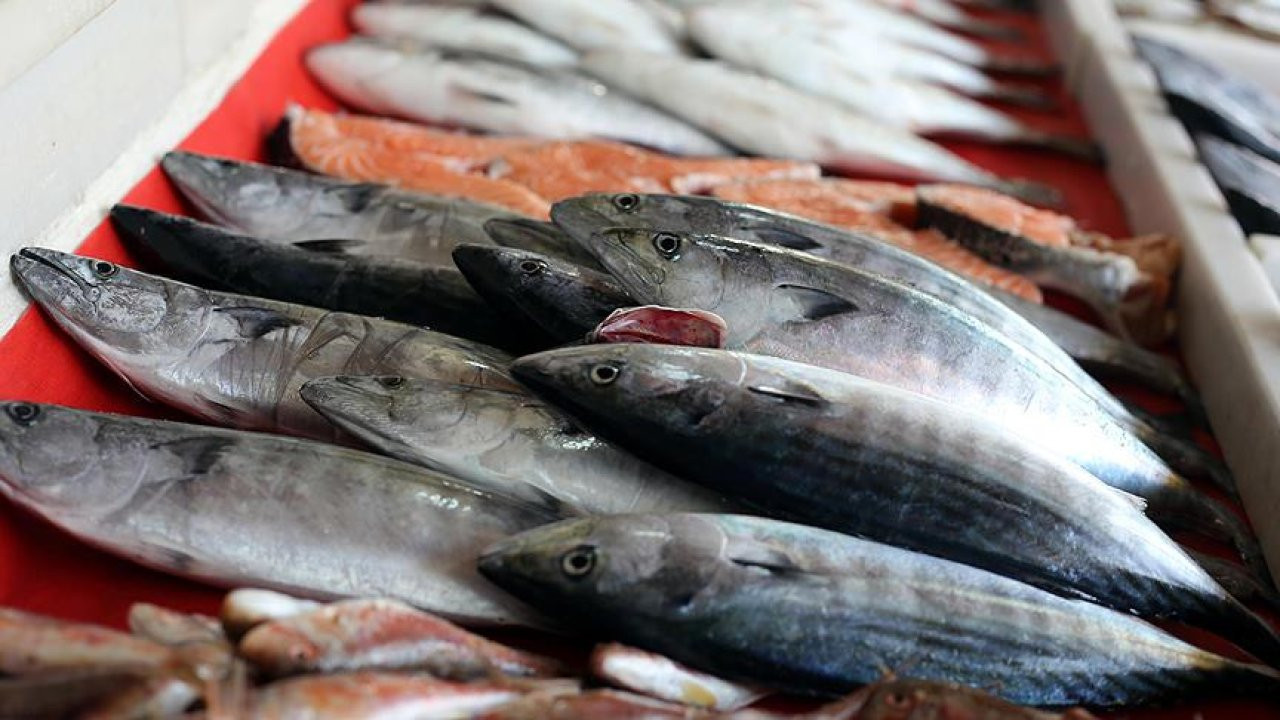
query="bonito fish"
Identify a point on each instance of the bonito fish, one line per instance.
(506, 441)
(231, 359)
(809, 611)
(461, 28)
(495, 96)
(795, 306)
(233, 507)
(762, 116)
(807, 444)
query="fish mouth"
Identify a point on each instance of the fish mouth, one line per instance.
(28, 260)
(199, 178)
(640, 279)
(576, 217)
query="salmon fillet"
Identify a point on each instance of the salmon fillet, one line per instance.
(560, 170)
(825, 203)
(321, 147)
(466, 152)
(831, 195)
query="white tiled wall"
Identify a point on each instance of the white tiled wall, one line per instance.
(94, 91)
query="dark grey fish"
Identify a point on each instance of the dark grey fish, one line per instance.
(567, 301)
(1250, 182)
(810, 611)
(437, 297)
(231, 359)
(839, 452)
(1211, 100)
(799, 307)
(539, 237)
(238, 508)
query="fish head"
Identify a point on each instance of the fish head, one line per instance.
(283, 646)
(610, 568)
(537, 236)
(50, 458)
(509, 272)
(111, 309)
(581, 216)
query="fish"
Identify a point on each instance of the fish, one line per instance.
(878, 210)
(236, 508)
(1261, 17)
(381, 634)
(371, 696)
(155, 696)
(1167, 10)
(1208, 99)
(1249, 181)
(231, 359)
(495, 95)
(406, 291)
(505, 441)
(593, 705)
(589, 24)
(32, 643)
(795, 306)
(566, 301)
(198, 641)
(657, 677)
(1041, 245)
(735, 34)
(811, 445)
(61, 694)
(245, 608)
(321, 213)
(657, 325)
(895, 699)
(539, 237)
(562, 170)
(948, 15)
(1238, 581)
(461, 28)
(317, 144)
(764, 117)
(808, 611)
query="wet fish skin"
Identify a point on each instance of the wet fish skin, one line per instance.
(799, 307)
(807, 611)
(231, 359)
(32, 643)
(237, 508)
(539, 237)
(416, 293)
(661, 678)
(810, 445)
(377, 634)
(593, 705)
(495, 95)
(302, 208)
(506, 441)
(457, 28)
(920, 699)
(372, 695)
(246, 608)
(60, 694)
(198, 641)
(1250, 182)
(567, 301)
(587, 24)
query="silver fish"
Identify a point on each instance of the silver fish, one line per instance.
(495, 96)
(232, 507)
(590, 24)
(795, 306)
(510, 442)
(762, 116)
(461, 28)
(809, 611)
(231, 359)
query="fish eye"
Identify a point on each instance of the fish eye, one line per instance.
(579, 562)
(391, 381)
(626, 202)
(23, 413)
(604, 374)
(104, 269)
(532, 267)
(667, 245)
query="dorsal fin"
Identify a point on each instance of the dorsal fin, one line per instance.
(198, 454)
(782, 237)
(809, 304)
(763, 557)
(791, 392)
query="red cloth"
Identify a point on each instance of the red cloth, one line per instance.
(42, 569)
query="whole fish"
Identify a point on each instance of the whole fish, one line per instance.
(661, 678)
(407, 291)
(809, 611)
(380, 634)
(590, 24)
(231, 359)
(1210, 100)
(795, 306)
(325, 214)
(495, 95)
(581, 217)
(810, 445)
(762, 116)
(373, 696)
(734, 34)
(1250, 182)
(501, 440)
(232, 507)
(461, 28)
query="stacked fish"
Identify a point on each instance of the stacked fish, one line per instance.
(1259, 16)
(826, 456)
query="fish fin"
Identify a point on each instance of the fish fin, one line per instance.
(226, 415)
(336, 246)
(763, 557)
(1138, 503)
(257, 321)
(783, 237)
(792, 392)
(484, 96)
(812, 304)
(356, 197)
(199, 453)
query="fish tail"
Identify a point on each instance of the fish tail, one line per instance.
(1021, 95)
(1181, 507)
(1188, 459)
(1032, 192)
(1077, 147)
(1237, 581)
(1021, 66)
(279, 144)
(1233, 621)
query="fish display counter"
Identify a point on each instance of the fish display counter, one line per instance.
(775, 376)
